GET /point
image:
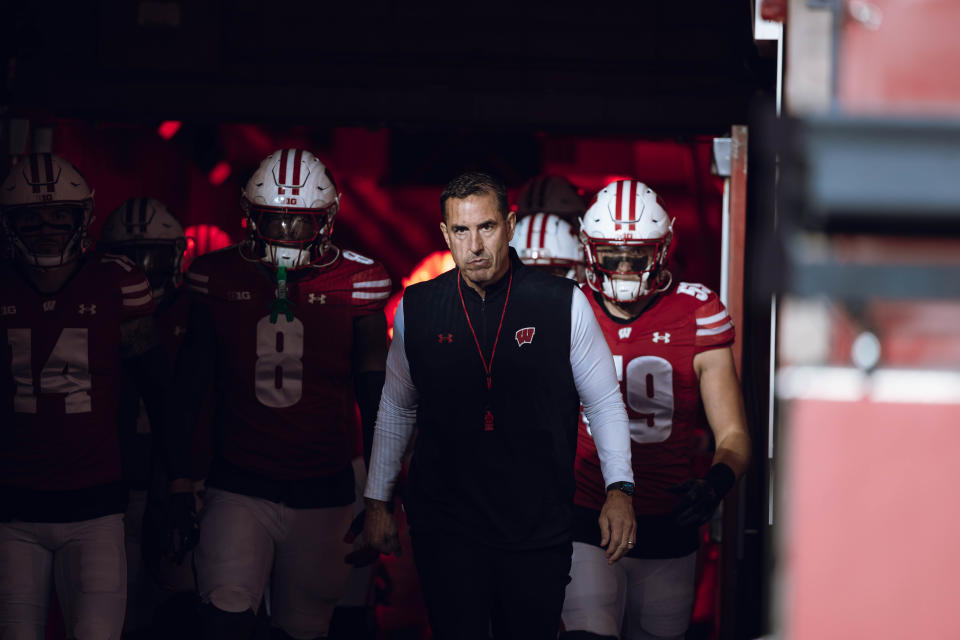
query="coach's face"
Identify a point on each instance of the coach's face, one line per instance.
(479, 238)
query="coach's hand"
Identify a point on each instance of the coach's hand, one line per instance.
(618, 525)
(380, 528)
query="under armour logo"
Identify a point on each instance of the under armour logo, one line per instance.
(525, 335)
(444, 337)
(48, 305)
(85, 309)
(178, 331)
(322, 298)
(625, 332)
(661, 337)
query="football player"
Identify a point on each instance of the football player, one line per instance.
(74, 322)
(551, 194)
(547, 241)
(292, 330)
(671, 346)
(144, 230)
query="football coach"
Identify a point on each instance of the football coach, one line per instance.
(491, 362)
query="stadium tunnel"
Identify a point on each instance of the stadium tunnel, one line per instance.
(181, 100)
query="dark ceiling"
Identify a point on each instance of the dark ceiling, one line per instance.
(587, 67)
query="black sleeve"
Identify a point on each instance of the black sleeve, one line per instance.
(192, 376)
(367, 386)
(150, 374)
(7, 385)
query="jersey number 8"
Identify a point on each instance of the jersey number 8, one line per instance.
(278, 377)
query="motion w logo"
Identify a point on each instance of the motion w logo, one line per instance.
(525, 335)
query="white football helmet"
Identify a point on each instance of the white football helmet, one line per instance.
(144, 230)
(625, 234)
(549, 242)
(551, 194)
(46, 208)
(290, 203)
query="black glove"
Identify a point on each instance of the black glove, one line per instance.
(701, 496)
(185, 530)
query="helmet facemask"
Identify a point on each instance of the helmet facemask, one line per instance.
(290, 237)
(625, 271)
(48, 235)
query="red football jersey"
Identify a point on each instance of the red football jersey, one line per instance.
(285, 405)
(65, 351)
(653, 355)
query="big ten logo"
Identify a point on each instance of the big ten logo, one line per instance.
(238, 295)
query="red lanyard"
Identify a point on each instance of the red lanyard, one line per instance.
(487, 366)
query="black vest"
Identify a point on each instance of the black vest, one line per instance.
(511, 487)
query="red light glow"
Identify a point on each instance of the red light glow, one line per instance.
(430, 267)
(201, 239)
(168, 128)
(219, 173)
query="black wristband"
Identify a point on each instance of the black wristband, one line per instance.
(720, 477)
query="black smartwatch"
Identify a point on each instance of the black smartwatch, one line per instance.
(626, 487)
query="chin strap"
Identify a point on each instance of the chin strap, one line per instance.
(281, 304)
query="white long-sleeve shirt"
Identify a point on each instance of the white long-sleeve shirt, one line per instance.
(594, 376)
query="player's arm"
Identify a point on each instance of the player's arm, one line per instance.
(192, 377)
(395, 422)
(723, 403)
(369, 361)
(146, 364)
(596, 381)
(7, 385)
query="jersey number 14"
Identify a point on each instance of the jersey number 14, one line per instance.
(66, 371)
